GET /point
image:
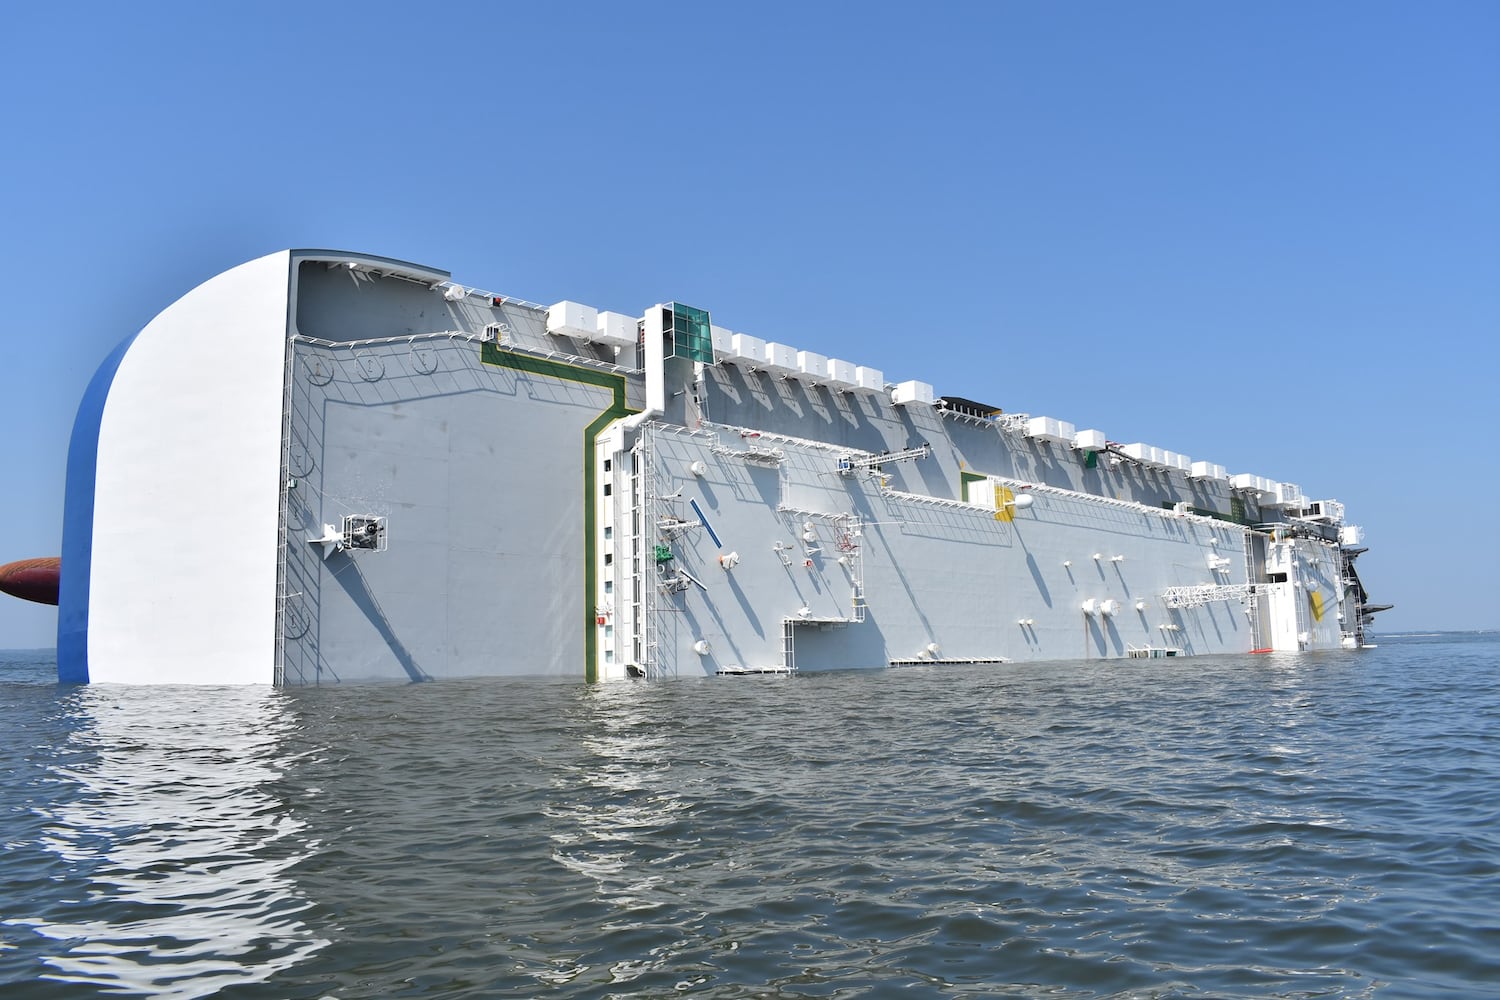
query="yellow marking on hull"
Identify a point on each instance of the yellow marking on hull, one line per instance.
(1005, 504)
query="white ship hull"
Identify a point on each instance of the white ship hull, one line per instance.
(367, 471)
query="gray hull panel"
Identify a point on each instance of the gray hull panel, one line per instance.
(478, 470)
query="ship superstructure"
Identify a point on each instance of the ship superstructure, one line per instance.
(362, 469)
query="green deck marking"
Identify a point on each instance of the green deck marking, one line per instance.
(490, 354)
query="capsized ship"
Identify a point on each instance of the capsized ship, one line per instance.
(323, 466)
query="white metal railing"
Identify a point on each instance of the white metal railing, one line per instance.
(851, 547)
(752, 454)
(447, 284)
(971, 418)
(867, 460)
(1204, 594)
(931, 501)
(755, 434)
(407, 338)
(283, 517)
(1253, 606)
(648, 535)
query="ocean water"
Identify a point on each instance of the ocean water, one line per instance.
(1262, 826)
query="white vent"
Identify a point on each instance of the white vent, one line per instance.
(912, 392)
(780, 359)
(840, 373)
(813, 366)
(1287, 494)
(1208, 470)
(743, 347)
(1090, 440)
(1144, 453)
(615, 329)
(869, 378)
(573, 319)
(1325, 510)
(723, 341)
(1050, 429)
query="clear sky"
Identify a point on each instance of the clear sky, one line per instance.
(1265, 235)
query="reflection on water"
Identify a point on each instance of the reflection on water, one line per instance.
(612, 811)
(1227, 827)
(173, 818)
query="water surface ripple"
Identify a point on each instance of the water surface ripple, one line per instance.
(1214, 827)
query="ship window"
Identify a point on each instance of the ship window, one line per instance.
(609, 558)
(609, 630)
(609, 532)
(609, 586)
(609, 656)
(691, 337)
(1278, 577)
(608, 488)
(607, 465)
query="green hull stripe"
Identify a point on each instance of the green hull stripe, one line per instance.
(491, 354)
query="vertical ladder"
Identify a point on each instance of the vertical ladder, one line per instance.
(650, 518)
(854, 529)
(643, 551)
(1299, 598)
(1257, 641)
(283, 514)
(788, 644)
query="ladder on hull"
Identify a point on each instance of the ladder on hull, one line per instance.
(644, 518)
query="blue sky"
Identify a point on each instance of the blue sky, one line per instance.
(1265, 235)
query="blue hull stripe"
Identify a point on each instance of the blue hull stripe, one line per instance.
(78, 525)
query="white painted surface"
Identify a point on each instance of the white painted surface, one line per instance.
(743, 347)
(1090, 440)
(1050, 429)
(841, 373)
(813, 365)
(615, 329)
(183, 582)
(573, 319)
(780, 358)
(912, 392)
(723, 341)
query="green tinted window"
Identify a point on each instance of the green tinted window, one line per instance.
(691, 337)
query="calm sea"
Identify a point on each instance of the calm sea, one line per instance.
(1267, 826)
